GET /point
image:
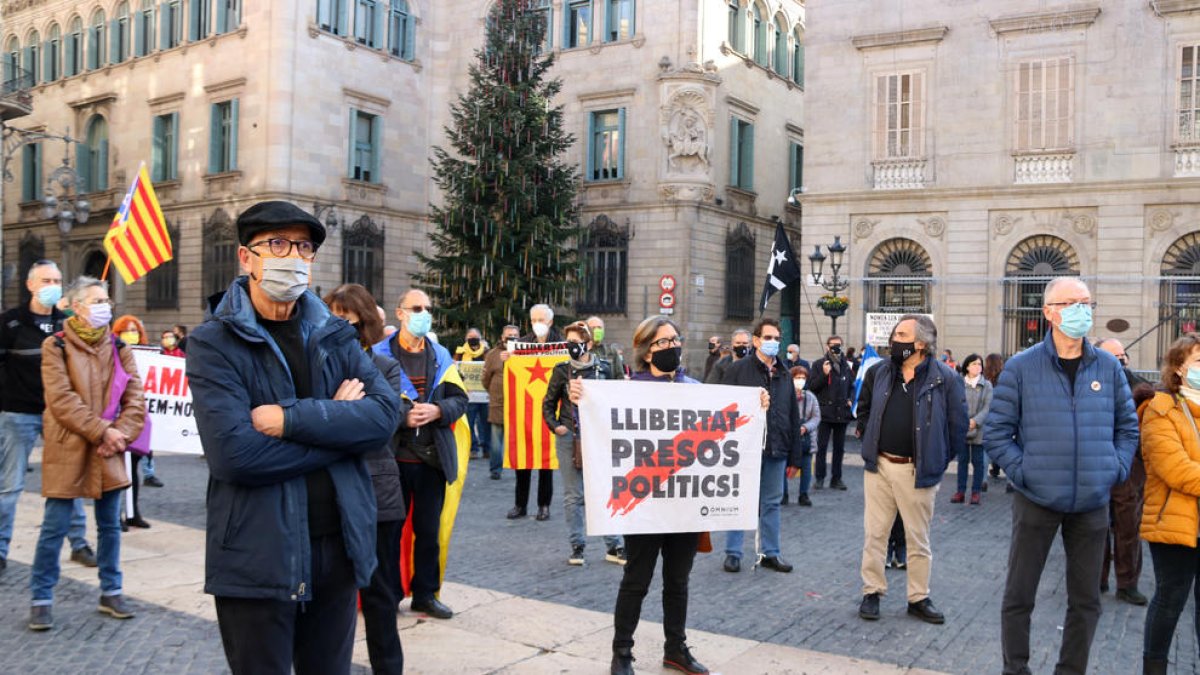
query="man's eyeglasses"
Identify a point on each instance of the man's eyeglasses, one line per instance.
(1060, 305)
(770, 338)
(282, 248)
(665, 343)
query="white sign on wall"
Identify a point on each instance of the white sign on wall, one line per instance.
(879, 327)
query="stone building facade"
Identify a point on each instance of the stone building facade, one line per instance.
(968, 152)
(688, 120)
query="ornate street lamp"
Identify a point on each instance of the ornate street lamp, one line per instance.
(64, 202)
(833, 304)
(331, 217)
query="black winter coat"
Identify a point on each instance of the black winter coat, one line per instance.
(558, 401)
(381, 463)
(783, 417)
(833, 390)
(21, 337)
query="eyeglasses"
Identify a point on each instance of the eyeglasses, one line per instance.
(1089, 303)
(665, 343)
(282, 248)
(417, 309)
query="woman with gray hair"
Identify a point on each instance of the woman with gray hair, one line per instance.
(94, 410)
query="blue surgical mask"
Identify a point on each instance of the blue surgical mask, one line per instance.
(770, 348)
(1193, 377)
(49, 296)
(1076, 320)
(419, 323)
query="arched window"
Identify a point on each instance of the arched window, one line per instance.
(92, 156)
(1179, 291)
(12, 65)
(899, 278)
(52, 59)
(1031, 265)
(143, 34)
(121, 39)
(30, 57)
(162, 283)
(220, 253)
(401, 30)
(740, 274)
(95, 41)
(73, 49)
(760, 35)
(781, 52)
(737, 26)
(362, 255)
(798, 59)
(605, 253)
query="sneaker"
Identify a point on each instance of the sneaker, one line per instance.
(901, 563)
(1132, 595)
(957, 498)
(681, 659)
(115, 606)
(869, 608)
(40, 618)
(976, 499)
(576, 556)
(152, 481)
(733, 564)
(615, 555)
(84, 556)
(804, 500)
(433, 607)
(925, 611)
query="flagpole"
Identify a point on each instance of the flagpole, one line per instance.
(107, 264)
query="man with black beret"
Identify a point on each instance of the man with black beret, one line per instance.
(286, 404)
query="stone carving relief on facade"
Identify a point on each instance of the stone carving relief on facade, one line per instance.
(863, 227)
(687, 132)
(1161, 220)
(935, 226)
(1076, 221)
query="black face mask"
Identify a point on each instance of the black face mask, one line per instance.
(473, 343)
(740, 352)
(835, 349)
(714, 347)
(576, 350)
(667, 360)
(901, 351)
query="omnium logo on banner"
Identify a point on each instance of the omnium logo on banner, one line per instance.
(670, 457)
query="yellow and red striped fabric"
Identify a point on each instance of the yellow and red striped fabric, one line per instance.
(528, 442)
(138, 241)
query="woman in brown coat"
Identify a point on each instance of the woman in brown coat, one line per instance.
(1170, 522)
(85, 437)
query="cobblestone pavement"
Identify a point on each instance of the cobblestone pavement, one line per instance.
(813, 608)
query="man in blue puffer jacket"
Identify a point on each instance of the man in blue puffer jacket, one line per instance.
(286, 404)
(1063, 427)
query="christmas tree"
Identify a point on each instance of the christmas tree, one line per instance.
(503, 238)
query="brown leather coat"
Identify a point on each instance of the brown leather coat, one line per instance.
(77, 385)
(493, 381)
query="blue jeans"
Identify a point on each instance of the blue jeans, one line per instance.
(477, 422)
(496, 449)
(770, 492)
(975, 454)
(55, 522)
(148, 468)
(18, 434)
(573, 504)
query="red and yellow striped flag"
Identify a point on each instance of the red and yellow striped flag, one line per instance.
(138, 241)
(528, 442)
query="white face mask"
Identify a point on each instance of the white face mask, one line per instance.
(799, 382)
(284, 279)
(541, 330)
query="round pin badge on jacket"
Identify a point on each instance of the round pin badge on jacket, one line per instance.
(1095, 385)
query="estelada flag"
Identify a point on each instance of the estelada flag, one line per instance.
(528, 442)
(137, 241)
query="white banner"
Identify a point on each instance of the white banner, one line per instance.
(879, 327)
(168, 402)
(668, 457)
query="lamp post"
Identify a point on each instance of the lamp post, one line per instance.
(835, 284)
(330, 211)
(64, 202)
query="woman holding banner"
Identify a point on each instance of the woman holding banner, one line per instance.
(657, 350)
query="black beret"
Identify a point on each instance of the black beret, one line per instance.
(273, 215)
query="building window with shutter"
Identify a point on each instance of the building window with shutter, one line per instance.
(899, 110)
(401, 30)
(229, 16)
(162, 283)
(1044, 105)
(798, 59)
(121, 39)
(220, 253)
(332, 16)
(73, 50)
(92, 156)
(606, 145)
(143, 34)
(199, 19)
(165, 149)
(739, 273)
(737, 26)
(362, 255)
(171, 24)
(366, 22)
(222, 153)
(758, 16)
(366, 136)
(96, 45)
(604, 250)
(52, 69)
(619, 20)
(741, 154)
(795, 167)
(30, 57)
(578, 24)
(31, 172)
(1187, 107)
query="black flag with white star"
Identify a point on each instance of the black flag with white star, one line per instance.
(783, 270)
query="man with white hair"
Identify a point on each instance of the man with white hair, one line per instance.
(541, 318)
(1062, 426)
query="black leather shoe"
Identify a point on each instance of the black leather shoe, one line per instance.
(138, 521)
(837, 485)
(804, 500)
(869, 609)
(543, 513)
(622, 662)
(681, 659)
(819, 484)
(776, 563)
(925, 611)
(433, 607)
(733, 564)
(516, 512)
(1132, 595)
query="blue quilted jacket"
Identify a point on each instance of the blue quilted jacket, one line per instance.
(1062, 449)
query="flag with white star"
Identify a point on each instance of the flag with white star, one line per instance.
(783, 270)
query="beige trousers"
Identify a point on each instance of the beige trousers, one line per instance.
(890, 489)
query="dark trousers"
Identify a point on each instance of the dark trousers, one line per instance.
(1176, 575)
(272, 636)
(1033, 530)
(824, 432)
(641, 551)
(897, 543)
(379, 602)
(1123, 548)
(424, 490)
(545, 486)
(135, 459)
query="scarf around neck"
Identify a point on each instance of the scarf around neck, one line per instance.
(1190, 394)
(90, 335)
